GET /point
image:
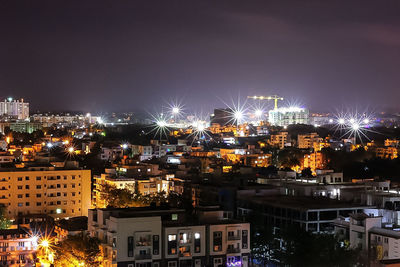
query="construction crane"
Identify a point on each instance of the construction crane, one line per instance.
(272, 97)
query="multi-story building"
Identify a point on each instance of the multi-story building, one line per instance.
(16, 109)
(279, 139)
(146, 185)
(288, 116)
(369, 233)
(313, 161)
(388, 152)
(45, 189)
(169, 237)
(310, 213)
(18, 247)
(306, 141)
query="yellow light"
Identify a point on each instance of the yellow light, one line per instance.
(71, 149)
(44, 243)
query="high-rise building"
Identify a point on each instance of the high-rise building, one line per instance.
(288, 116)
(17, 109)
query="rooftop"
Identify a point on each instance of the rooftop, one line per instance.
(304, 203)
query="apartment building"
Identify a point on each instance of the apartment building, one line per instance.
(145, 185)
(306, 141)
(151, 237)
(279, 139)
(369, 232)
(17, 248)
(44, 189)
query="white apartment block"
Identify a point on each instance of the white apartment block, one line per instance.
(146, 237)
(17, 109)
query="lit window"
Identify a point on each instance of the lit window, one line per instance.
(171, 237)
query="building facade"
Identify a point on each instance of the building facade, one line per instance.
(16, 109)
(147, 237)
(45, 190)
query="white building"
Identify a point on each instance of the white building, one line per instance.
(148, 237)
(17, 109)
(288, 116)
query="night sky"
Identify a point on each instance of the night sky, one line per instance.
(133, 55)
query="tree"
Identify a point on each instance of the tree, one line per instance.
(302, 248)
(5, 223)
(78, 250)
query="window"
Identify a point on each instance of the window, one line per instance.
(65, 185)
(172, 264)
(27, 204)
(73, 194)
(26, 195)
(20, 204)
(38, 178)
(73, 177)
(386, 240)
(172, 244)
(38, 195)
(19, 178)
(21, 244)
(217, 241)
(359, 235)
(20, 187)
(27, 186)
(38, 204)
(73, 185)
(20, 196)
(26, 178)
(58, 185)
(38, 187)
(65, 177)
(174, 217)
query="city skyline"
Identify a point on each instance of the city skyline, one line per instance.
(138, 55)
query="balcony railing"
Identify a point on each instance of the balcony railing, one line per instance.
(233, 250)
(233, 237)
(143, 257)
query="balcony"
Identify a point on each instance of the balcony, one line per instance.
(233, 237)
(232, 250)
(143, 257)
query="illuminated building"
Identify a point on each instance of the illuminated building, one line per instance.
(18, 247)
(166, 237)
(306, 141)
(21, 126)
(16, 109)
(392, 142)
(144, 185)
(387, 152)
(313, 161)
(44, 189)
(279, 140)
(288, 116)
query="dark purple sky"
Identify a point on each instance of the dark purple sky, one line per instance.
(113, 55)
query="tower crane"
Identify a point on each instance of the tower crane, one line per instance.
(272, 97)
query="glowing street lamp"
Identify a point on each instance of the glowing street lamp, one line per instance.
(176, 110)
(341, 121)
(258, 113)
(355, 126)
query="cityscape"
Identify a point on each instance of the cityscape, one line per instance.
(201, 134)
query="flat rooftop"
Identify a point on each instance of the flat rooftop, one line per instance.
(304, 203)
